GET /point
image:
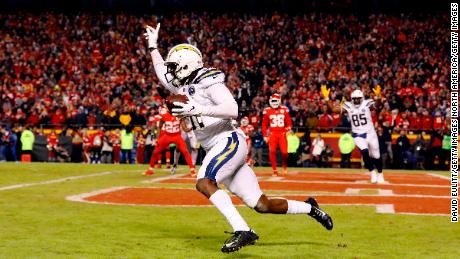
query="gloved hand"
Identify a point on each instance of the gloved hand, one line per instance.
(190, 108)
(325, 91)
(151, 35)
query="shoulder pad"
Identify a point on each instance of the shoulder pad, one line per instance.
(266, 109)
(369, 102)
(346, 105)
(209, 76)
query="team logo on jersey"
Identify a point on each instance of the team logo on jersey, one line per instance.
(282, 111)
(191, 90)
(362, 110)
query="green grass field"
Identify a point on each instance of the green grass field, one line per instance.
(38, 222)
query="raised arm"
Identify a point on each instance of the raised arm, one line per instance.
(151, 36)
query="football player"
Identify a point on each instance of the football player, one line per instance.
(277, 119)
(363, 132)
(160, 129)
(171, 134)
(248, 130)
(210, 109)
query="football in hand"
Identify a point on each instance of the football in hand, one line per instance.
(175, 98)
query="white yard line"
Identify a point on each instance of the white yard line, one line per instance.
(159, 179)
(83, 196)
(359, 182)
(385, 208)
(439, 176)
(70, 178)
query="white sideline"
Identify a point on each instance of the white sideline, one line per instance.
(17, 186)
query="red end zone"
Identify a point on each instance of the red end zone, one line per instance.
(405, 193)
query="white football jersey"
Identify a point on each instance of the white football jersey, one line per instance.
(208, 89)
(360, 117)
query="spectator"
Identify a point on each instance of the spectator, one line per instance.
(27, 143)
(107, 149)
(77, 147)
(403, 155)
(293, 143)
(388, 146)
(346, 146)
(127, 145)
(257, 147)
(52, 143)
(8, 146)
(305, 145)
(140, 147)
(383, 147)
(444, 159)
(419, 149)
(326, 156)
(318, 148)
(150, 139)
(96, 146)
(435, 149)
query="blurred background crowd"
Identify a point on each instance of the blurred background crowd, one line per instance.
(74, 73)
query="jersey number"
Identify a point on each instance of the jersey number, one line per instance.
(197, 122)
(171, 127)
(358, 121)
(277, 120)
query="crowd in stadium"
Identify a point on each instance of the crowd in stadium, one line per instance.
(89, 70)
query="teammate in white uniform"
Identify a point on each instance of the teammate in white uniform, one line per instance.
(210, 109)
(363, 132)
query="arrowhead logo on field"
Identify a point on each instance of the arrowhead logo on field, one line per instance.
(415, 193)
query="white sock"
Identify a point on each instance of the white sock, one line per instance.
(224, 204)
(298, 207)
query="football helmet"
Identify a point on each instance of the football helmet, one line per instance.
(162, 110)
(244, 121)
(182, 60)
(275, 101)
(357, 97)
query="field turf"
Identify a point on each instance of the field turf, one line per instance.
(37, 221)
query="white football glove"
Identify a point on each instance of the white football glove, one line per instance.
(190, 108)
(151, 35)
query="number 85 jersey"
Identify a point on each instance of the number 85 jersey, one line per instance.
(278, 120)
(360, 117)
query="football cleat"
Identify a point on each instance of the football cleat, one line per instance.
(319, 215)
(173, 169)
(380, 178)
(192, 172)
(148, 172)
(238, 240)
(168, 165)
(374, 176)
(275, 174)
(285, 171)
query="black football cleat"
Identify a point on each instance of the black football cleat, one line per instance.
(238, 240)
(319, 215)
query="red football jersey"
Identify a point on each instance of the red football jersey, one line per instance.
(171, 124)
(247, 130)
(278, 120)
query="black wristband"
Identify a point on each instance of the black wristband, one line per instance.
(152, 49)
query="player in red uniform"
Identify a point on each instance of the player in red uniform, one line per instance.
(161, 130)
(276, 118)
(171, 134)
(248, 130)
